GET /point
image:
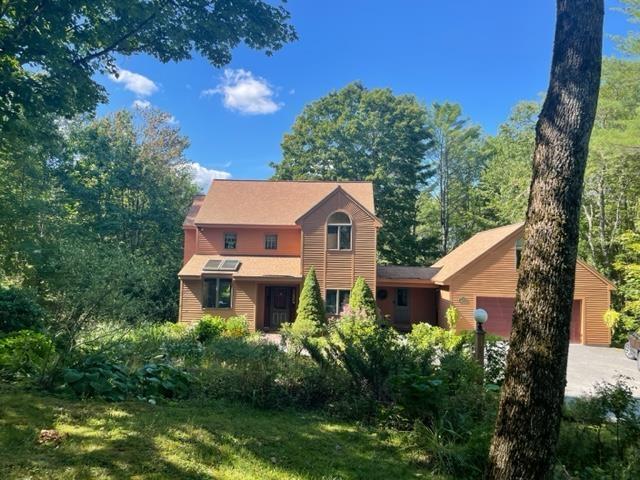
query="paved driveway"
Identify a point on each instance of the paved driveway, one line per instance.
(589, 365)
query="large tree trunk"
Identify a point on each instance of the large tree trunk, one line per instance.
(530, 406)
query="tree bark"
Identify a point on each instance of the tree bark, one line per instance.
(530, 405)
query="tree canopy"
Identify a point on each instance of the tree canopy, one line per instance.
(50, 51)
(361, 134)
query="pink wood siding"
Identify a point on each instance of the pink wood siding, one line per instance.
(244, 302)
(495, 275)
(339, 269)
(189, 244)
(250, 241)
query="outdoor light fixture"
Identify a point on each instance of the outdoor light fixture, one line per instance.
(480, 315)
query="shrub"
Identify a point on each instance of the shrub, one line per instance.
(136, 346)
(209, 327)
(361, 299)
(600, 433)
(160, 380)
(97, 376)
(452, 315)
(259, 373)
(25, 354)
(310, 315)
(425, 336)
(236, 327)
(370, 353)
(19, 310)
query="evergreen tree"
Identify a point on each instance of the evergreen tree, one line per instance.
(361, 299)
(310, 315)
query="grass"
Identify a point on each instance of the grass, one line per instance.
(187, 440)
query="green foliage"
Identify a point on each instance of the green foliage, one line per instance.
(310, 315)
(97, 376)
(209, 327)
(154, 381)
(262, 375)
(361, 134)
(601, 433)
(452, 315)
(236, 327)
(456, 158)
(628, 266)
(425, 336)
(362, 300)
(25, 354)
(504, 182)
(52, 54)
(19, 310)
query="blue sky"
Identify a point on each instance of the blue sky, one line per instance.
(485, 55)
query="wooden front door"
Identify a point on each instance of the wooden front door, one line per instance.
(280, 306)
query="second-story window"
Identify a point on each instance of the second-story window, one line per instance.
(271, 241)
(339, 231)
(230, 240)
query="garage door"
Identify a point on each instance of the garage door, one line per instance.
(500, 312)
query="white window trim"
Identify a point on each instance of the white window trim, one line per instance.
(341, 224)
(205, 293)
(337, 305)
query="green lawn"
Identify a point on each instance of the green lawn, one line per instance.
(203, 441)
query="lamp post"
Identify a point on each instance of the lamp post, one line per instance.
(480, 316)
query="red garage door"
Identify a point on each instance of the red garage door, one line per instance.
(500, 312)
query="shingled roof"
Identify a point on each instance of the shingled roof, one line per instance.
(474, 248)
(266, 202)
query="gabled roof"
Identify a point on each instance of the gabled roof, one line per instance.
(335, 191)
(479, 245)
(250, 267)
(266, 202)
(471, 250)
(193, 211)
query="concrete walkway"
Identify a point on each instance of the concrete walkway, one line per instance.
(590, 365)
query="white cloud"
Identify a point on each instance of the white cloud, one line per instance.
(136, 83)
(203, 176)
(141, 104)
(245, 93)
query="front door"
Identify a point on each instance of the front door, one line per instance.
(281, 302)
(402, 315)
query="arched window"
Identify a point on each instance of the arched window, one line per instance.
(339, 231)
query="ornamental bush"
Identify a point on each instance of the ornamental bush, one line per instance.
(361, 299)
(209, 327)
(19, 310)
(310, 316)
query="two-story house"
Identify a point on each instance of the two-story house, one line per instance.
(248, 245)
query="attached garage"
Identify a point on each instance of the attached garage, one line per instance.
(500, 310)
(483, 272)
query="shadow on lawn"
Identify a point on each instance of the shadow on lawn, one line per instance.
(186, 441)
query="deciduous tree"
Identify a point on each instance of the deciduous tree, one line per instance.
(533, 393)
(361, 134)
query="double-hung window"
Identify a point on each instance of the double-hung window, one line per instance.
(339, 231)
(217, 293)
(230, 240)
(336, 300)
(271, 241)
